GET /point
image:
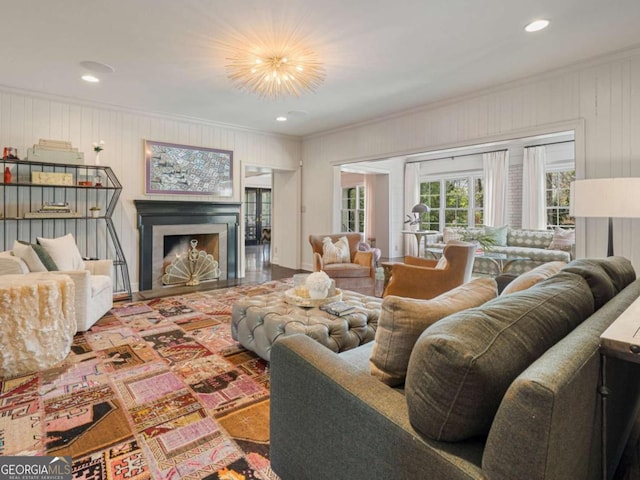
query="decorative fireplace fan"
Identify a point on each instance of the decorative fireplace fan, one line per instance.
(191, 267)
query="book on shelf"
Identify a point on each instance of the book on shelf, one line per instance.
(50, 214)
(338, 308)
(55, 205)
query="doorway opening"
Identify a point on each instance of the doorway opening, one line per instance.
(257, 219)
(258, 205)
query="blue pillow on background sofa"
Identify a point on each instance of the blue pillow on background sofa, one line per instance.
(498, 234)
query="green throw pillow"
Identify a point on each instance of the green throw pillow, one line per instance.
(35, 256)
(600, 283)
(499, 234)
(462, 365)
(619, 269)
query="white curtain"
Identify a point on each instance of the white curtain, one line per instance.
(411, 198)
(336, 217)
(369, 213)
(534, 215)
(496, 178)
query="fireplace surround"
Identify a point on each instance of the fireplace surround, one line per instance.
(157, 218)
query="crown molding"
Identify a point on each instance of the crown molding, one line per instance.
(136, 111)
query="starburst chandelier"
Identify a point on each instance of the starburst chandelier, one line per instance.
(276, 71)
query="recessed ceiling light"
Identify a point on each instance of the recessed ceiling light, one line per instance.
(281, 118)
(97, 67)
(90, 78)
(537, 25)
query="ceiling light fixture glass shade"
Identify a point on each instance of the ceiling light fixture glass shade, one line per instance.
(278, 71)
(537, 25)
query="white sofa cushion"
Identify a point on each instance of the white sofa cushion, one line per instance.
(64, 252)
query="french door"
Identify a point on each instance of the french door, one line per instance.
(257, 218)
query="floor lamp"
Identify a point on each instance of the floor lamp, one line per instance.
(606, 198)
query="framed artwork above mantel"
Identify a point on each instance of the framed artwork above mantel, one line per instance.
(172, 169)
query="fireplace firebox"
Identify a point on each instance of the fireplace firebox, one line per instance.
(158, 219)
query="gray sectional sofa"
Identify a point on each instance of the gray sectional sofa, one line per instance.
(504, 391)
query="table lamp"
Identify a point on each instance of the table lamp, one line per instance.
(606, 198)
(419, 209)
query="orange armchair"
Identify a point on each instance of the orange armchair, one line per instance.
(358, 275)
(419, 277)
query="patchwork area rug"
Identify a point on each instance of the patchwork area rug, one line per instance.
(156, 389)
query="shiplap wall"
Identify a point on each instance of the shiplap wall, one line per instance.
(25, 118)
(600, 97)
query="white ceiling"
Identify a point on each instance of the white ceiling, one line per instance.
(381, 56)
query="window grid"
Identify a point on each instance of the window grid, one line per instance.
(457, 202)
(558, 198)
(430, 196)
(353, 209)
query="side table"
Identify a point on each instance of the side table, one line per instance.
(620, 340)
(387, 268)
(37, 321)
(420, 234)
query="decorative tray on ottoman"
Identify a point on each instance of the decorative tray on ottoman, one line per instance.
(292, 299)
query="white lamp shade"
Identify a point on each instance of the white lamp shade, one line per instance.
(605, 197)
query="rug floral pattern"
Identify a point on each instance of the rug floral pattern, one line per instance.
(157, 389)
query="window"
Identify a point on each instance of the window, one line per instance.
(455, 201)
(558, 198)
(430, 196)
(352, 213)
(456, 210)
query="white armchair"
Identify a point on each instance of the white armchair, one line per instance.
(93, 286)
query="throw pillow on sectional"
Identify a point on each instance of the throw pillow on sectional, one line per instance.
(532, 277)
(498, 234)
(600, 283)
(402, 320)
(461, 367)
(619, 269)
(562, 239)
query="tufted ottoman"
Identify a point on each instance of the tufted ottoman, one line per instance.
(257, 322)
